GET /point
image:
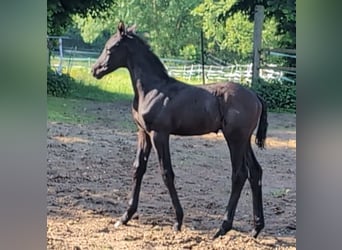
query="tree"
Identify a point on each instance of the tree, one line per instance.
(231, 38)
(283, 11)
(59, 12)
(168, 25)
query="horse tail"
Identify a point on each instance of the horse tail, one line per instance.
(263, 124)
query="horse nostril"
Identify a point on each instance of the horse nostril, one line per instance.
(93, 69)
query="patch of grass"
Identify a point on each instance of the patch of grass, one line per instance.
(127, 125)
(112, 87)
(67, 110)
(279, 193)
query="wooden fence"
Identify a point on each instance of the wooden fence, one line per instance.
(289, 73)
(176, 67)
(237, 73)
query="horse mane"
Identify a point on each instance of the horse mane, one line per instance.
(148, 55)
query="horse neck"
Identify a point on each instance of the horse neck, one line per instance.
(146, 70)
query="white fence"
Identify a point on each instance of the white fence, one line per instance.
(176, 67)
(238, 73)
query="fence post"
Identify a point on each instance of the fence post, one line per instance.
(60, 67)
(49, 52)
(202, 57)
(258, 22)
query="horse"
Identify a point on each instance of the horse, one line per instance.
(163, 106)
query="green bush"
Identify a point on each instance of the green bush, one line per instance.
(279, 97)
(58, 85)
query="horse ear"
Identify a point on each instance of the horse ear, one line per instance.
(132, 29)
(121, 28)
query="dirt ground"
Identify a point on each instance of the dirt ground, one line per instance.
(89, 179)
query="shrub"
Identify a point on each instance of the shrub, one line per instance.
(278, 96)
(58, 85)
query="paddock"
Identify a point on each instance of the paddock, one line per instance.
(89, 180)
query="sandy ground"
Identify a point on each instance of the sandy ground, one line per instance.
(89, 179)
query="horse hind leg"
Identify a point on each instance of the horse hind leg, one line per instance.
(237, 146)
(255, 180)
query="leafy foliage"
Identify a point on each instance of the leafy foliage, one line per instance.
(234, 34)
(278, 96)
(189, 52)
(58, 85)
(59, 12)
(167, 25)
(284, 13)
(173, 27)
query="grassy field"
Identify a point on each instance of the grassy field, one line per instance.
(116, 86)
(68, 110)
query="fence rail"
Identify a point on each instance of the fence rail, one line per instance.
(177, 68)
(239, 73)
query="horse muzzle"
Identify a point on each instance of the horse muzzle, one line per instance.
(98, 71)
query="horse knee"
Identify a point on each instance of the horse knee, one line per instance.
(255, 175)
(138, 169)
(240, 175)
(168, 177)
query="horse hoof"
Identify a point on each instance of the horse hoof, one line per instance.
(225, 227)
(177, 227)
(218, 234)
(255, 233)
(117, 224)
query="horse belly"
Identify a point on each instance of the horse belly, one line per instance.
(185, 130)
(195, 122)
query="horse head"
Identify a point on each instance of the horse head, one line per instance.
(114, 53)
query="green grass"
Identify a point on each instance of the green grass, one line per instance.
(112, 87)
(279, 193)
(117, 83)
(68, 110)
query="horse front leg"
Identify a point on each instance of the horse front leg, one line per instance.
(161, 146)
(139, 169)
